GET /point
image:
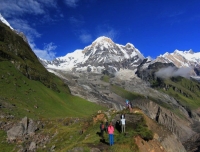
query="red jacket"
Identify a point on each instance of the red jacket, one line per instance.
(110, 129)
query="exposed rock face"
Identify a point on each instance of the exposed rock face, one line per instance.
(165, 117)
(186, 130)
(25, 127)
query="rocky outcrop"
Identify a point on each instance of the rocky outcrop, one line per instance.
(25, 127)
(185, 130)
(167, 118)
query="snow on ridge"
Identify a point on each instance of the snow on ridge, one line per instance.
(188, 55)
(101, 38)
(130, 44)
(4, 21)
(76, 55)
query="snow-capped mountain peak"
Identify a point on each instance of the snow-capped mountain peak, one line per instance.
(102, 54)
(102, 39)
(3, 20)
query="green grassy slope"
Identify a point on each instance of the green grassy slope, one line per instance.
(28, 89)
(31, 98)
(185, 91)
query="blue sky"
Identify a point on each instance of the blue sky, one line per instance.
(57, 27)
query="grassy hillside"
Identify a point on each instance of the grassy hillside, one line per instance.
(28, 89)
(185, 91)
(24, 97)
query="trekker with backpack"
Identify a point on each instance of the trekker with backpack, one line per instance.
(106, 127)
(130, 106)
(102, 128)
(111, 134)
(127, 104)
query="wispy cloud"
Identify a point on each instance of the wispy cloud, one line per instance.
(85, 38)
(19, 8)
(71, 3)
(24, 26)
(173, 72)
(108, 31)
(47, 52)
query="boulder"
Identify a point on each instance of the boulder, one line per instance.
(32, 146)
(24, 127)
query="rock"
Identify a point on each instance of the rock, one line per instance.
(77, 149)
(53, 148)
(16, 131)
(165, 117)
(24, 122)
(31, 127)
(25, 127)
(32, 146)
(95, 150)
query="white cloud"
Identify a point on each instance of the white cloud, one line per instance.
(23, 26)
(111, 34)
(85, 38)
(47, 52)
(71, 3)
(20, 7)
(174, 72)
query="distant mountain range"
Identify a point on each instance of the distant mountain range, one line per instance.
(105, 55)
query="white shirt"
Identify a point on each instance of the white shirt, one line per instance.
(123, 121)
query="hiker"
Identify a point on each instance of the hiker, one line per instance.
(123, 120)
(102, 128)
(130, 106)
(118, 126)
(111, 132)
(122, 115)
(106, 127)
(127, 104)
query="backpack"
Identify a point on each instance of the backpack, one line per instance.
(102, 127)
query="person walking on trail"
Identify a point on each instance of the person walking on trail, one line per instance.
(106, 127)
(127, 103)
(111, 133)
(130, 106)
(102, 128)
(123, 121)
